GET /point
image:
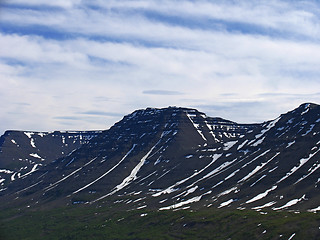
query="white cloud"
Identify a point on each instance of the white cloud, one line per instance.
(56, 3)
(85, 54)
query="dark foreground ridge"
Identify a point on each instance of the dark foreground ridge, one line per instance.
(168, 159)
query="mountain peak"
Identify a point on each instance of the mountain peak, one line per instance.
(306, 106)
(150, 110)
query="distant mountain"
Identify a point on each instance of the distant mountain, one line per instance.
(23, 152)
(170, 158)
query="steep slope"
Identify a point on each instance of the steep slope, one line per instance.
(180, 158)
(23, 152)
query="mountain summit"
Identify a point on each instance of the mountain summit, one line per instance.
(175, 158)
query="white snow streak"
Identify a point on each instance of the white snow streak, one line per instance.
(218, 169)
(191, 190)
(103, 175)
(132, 176)
(6, 171)
(295, 168)
(242, 144)
(180, 204)
(29, 187)
(172, 187)
(257, 168)
(309, 130)
(258, 142)
(290, 203)
(29, 135)
(306, 109)
(269, 204)
(35, 155)
(211, 132)
(232, 174)
(75, 171)
(270, 125)
(226, 192)
(291, 236)
(262, 154)
(13, 176)
(261, 195)
(290, 143)
(311, 170)
(229, 145)
(314, 209)
(226, 203)
(34, 168)
(196, 126)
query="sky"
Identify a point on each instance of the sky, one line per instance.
(83, 65)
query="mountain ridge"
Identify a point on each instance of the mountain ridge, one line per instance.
(174, 158)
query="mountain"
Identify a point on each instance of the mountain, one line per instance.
(172, 158)
(23, 152)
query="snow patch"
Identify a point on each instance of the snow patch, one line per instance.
(270, 126)
(180, 204)
(295, 168)
(258, 142)
(132, 176)
(29, 135)
(269, 204)
(226, 203)
(226, 192)
(232, 174)
(291, 236)
(261, 195)
(242, 144)
(6, 171)
(35, 155)
(13, 176)
(291, 203)
(111, 169)
(196, 126)
(52, 185)
(257, 168)
(229, 145)
(34, 168)
(173, 188)
(309, 130)
(290, 143)
(191, 190)
(314, 210)
(144, 206)
(306, 109)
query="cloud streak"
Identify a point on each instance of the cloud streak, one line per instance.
(101, 113)
(162, 92)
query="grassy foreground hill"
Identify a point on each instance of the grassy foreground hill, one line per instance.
(97, 222)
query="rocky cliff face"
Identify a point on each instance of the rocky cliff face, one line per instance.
(180, 158)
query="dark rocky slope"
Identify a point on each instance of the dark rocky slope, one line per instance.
(180, 158)
(23, 152)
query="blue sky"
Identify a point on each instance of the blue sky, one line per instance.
(80, 65)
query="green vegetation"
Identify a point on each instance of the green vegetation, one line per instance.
(96, 222)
